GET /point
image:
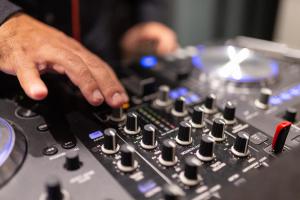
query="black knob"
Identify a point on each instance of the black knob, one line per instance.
(179, 109)
(168, 155)
(132, 126)
(72, 161)
(110, 145)
(263, 101)
(149, 137)
(209, 104)
(197, 117)
(163, 98)
(53, 189)
(217, 130)
(117, 115)
(172, 192)
(206, 149)
(279, 138)
(184, 136)
(128, 162)
(240, 147)
(290, 115)
(229, 112)
(190, 175)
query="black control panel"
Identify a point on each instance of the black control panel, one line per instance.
(201, 123)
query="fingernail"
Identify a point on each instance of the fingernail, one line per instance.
(97, 96)
(38, 92)
(116, 98)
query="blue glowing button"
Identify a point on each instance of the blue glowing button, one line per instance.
(285, 96)
(294, 91)
(275, 100)
(194, 98)
(148, 62)
(197, 62)
(144, 187)
(95, 134)
(174, 94)
(182, 91)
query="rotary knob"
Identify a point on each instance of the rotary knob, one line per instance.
(263, 101)
(127, 163)
(110, 145)
(163, 99)
(117, 115)
(172, 192)
(206, 149)
(72, 161)
(190, 174)
(197, 117)
(179, 109)
(209, 104)
(149, 137)
(184, 136)
(54, 190)
(240, 147)
(229, 113)
(217, 130)
(132, 126)
(168, 155)
(290, 115)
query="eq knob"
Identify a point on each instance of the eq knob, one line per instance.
(72, 161)
(206, 150)
(172, 192)
(197, 117)
(290, 115)
(110, 145)
(127, 163)
(229, 113)
(217, 130)
(209, 104)
(279, 138)
(132, 126)
(163, 99)
(240, 147)
(184, 136)
(168, 155)
(190, 174)
(54, 190)
(263, 101)
(117, 115)
(179, 109)
(149, 137)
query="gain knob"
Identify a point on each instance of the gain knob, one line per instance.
(240, 147)
(197, 117)
(72, 161)
(229, 113)
(149, 137)
(172, 192)
(217, 130)
(190, 174)
(179, 109)
(132, 126)
(279, 138)
(184, 136)
(117, 115)
(54, 190)
(163, 99)
(110, 145)
(168, 155)
(127, 163)
(206, 149)
(209, 104)
(263, 101)
(290, 115)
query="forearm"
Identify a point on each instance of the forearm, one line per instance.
(7, 9)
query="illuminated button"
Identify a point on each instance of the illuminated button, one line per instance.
(148, 62)
(95, 135)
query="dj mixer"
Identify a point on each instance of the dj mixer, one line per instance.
(206, 122)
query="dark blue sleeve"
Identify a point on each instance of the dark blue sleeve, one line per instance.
(7, 9)
(151, 10)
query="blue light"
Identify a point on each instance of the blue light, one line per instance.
(148, 62)
(95, 135)
(285, 96)
(275, 100)
(146, 186)
(194, 98)
(188, 100)
(174, 94)
(182, 91)
(197, 62)
(294, 91)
